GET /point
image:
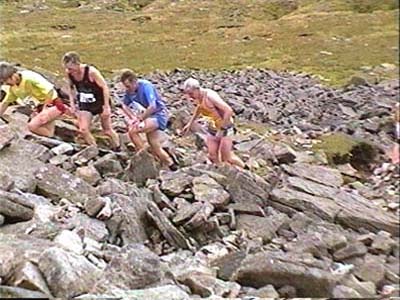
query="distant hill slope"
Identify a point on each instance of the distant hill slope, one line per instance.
(333, 39)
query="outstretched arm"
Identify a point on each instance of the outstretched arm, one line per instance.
(195, 115)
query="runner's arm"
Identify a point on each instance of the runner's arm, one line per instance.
(71, 92)
(195, 115)
(99, 79)
(227, 111)
(3, 107)
(150, 95)
(6, 101)
(128, 112)
(50, 96)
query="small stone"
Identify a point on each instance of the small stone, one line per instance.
(89, 174)
(393, 205)
(64, 148)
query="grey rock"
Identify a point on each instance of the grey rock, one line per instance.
(320, 174)
(55, 183)
(6, 182)
(279, 269)
(64, 148)
(134, 267)
(372, 270)
(15, 207)
(85, 155)
(264, 227)
(129, 220)
(330, 203)
(353, 250)
(16, 292)
(267, 291)
(27, 275)
(287, 291)
(174, 183)
(90, 227)
(15, 249)
(67, 274)
(108, 165)
(342, 291)
(70, 241)
(382, 243)
(206, 189)
(112, 186)
(141, 168)
(206, 285)
(88, 174)
(94, 205)
(170, 292)
(6, 136)
(18, 166)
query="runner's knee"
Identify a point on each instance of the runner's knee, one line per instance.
(32, 126)
(37, 121)
(226, 156)
(84, 130)
(213, 156)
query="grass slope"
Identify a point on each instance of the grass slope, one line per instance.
(332, 39)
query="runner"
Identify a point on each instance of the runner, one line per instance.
(395, 155)
(221, 127)
(88, 86)
(25, 83)
(153, 120)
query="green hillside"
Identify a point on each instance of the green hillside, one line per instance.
(333, 39)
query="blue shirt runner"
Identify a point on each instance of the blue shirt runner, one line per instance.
(146, 95)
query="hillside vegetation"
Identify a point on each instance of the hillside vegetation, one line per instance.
(333, 39)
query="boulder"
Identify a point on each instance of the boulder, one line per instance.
(134, 267)
(276, 268)
(55, 183)
(67, 274)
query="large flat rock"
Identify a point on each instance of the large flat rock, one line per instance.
(334, 205)
(281, 269)
(19, 162)
(55, 183)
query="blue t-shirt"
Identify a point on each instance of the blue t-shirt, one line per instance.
(145, 95)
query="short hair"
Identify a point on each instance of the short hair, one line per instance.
(7, 70)
(128, 74)
(191, 84)
(71, 57)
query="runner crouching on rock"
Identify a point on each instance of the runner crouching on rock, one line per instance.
(89, 88)
(25, 83)
(152, 121)
(221, 127)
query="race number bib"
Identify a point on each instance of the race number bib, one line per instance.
(136, 108)
(86, 98)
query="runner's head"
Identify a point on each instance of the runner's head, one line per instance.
(129, 80)
(191, 87)
(71, 62)
(8, 73)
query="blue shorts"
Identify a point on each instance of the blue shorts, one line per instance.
(162, 120)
